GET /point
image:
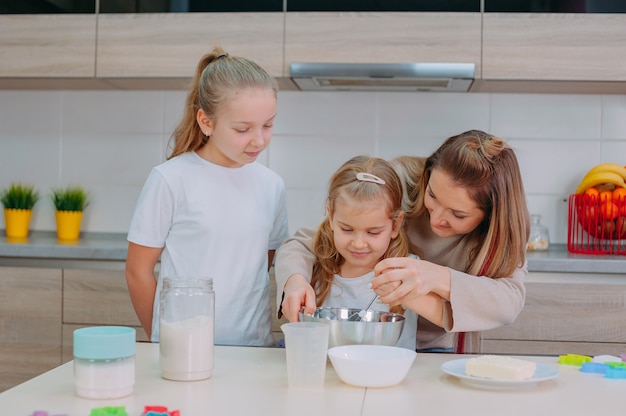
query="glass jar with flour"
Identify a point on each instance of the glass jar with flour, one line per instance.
(186, 329)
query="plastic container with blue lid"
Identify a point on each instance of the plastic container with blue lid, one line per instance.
(104, 361)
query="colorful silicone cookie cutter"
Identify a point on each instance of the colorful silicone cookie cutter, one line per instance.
(159, 411)
(574, 359)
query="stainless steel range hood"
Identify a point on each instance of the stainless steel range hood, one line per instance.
(450, 77)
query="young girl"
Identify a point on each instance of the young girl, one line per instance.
(363, 225)
(210, 211)
(470, 221)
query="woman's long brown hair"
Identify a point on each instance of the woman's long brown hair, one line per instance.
(487, 167)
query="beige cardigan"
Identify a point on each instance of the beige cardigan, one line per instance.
(477, 303)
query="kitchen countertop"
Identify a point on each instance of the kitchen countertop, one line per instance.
(253, 381)
(42, 246)
(90, 246)
(558, 259)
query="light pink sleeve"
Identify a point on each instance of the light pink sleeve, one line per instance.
(479, 303)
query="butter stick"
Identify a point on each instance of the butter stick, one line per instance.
(500, 367)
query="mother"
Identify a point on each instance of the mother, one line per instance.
(469, 223)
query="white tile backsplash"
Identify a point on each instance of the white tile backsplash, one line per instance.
(542, 116)
(109, 159)
(93, 112)
(30, 159)
(109, 140)
(308, 161)
(614, 117)
(613, 151)
(30, 113)
(554, 167)
(173, 109)
(306, 207)
(390, 147)
(421, 116)
(335, 114)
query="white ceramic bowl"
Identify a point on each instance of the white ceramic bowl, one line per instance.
(371, 365)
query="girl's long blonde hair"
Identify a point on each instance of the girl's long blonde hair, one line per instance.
(218, 75)
(345, 182)
(487, 167)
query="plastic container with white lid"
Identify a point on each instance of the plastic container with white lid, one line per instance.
(104, 361)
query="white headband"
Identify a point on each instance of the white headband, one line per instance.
(368, 177)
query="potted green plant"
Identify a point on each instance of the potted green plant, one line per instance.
(69, 203)
(18, 201)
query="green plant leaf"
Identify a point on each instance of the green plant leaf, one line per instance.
(72, 198)
(18, 196)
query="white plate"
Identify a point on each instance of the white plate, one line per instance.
(456, 368)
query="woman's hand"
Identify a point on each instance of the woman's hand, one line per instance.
(400, 280)
(298, 294)
(415, 284)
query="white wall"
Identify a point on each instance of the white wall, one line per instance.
(107, 141)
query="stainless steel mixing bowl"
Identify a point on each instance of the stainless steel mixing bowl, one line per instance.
(375, 328)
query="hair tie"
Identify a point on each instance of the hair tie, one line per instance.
(222, 56)
(368, 177)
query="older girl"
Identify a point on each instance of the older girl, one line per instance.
(210, 211)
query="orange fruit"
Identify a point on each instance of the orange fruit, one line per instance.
(619, 194)
(592, 193)
(606, 196)
(609, 210)
(619, 197)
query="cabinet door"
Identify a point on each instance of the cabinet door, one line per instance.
(171, 44)
(97, 297)
(93, 297)
(560, 318)
(382, 37)
(48, 45)
(555, 46)
(30, 322)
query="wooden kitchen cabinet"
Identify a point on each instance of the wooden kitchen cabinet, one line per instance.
(30, 322)
(554, 46)
(382, 37)
(169, 45)
(40, 307)
(93, 297)
(564, 316)
(48, 45)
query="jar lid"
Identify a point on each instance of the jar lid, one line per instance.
(104, 342)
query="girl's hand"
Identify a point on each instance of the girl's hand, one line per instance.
(298, 294)
(399, 280)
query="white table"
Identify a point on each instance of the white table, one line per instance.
(252, 381)
(428, 391)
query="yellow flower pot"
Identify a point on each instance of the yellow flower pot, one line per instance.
(17, 222)
(68, 224)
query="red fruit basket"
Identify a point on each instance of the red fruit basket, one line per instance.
(596, 227)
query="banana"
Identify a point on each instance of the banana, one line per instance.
(599, 178)
(609, 167)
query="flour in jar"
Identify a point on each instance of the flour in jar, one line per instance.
(186, 349)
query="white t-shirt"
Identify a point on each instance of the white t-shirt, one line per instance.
(219, 223)
(353, 292)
